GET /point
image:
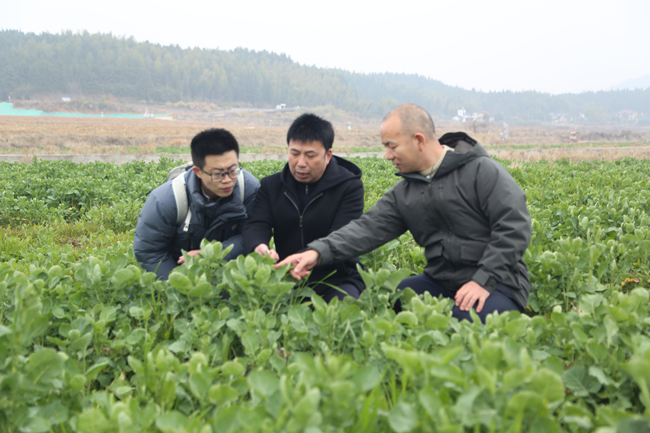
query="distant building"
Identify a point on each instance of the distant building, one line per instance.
(627, 115)
(480, 116)
(281, 106)
(66, 98)
(558, 117)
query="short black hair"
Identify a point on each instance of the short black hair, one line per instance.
(309, 127)
(215, 141)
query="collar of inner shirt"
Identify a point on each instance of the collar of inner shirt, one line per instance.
(208, 199)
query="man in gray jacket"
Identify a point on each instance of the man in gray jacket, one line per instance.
(465, 209)
(214, 208)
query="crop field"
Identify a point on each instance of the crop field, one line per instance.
(89, 342)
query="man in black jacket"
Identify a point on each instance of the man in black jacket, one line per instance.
(315, 194)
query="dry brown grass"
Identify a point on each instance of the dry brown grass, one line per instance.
(606, 154)
(43, 135)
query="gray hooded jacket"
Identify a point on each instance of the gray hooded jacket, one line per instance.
(158, 240)
(471, 218)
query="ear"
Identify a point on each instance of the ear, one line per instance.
(420, 140)
(197, 171)
(328, 156)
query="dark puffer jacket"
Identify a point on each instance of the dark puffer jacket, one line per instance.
(336, 199)
(471, 218)
(158, 240)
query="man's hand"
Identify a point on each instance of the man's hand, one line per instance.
(264, 250)
(303, 263)
(193, 253)
(467, 296)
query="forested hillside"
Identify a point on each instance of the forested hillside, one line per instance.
(102, 64)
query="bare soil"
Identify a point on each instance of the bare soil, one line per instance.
(261, 132)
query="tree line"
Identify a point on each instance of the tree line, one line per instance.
(100, 64)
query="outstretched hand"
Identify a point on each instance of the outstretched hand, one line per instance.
(264, 250)
(302, 262)
(467, 296)
(193, 253)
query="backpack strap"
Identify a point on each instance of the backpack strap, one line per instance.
(240, 179)
(182, 208)
(183, 212)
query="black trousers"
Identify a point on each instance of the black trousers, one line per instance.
(500, 300)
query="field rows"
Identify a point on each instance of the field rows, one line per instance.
(91, 343)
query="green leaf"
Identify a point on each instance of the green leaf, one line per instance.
(136, 336)
(251, 342)
(4, 330)
(108, 314)
(227, 419)
(136, 313)
(35, 425)
(402, 417)
(92, 421)
(233, 368)
(264, 383)
(122, 277)
(599, 374)
(250, 265)
(631, 425)
(93, 371)
(366, 378)
(548, 384)
(221, 394)
(44, 366)
(298, 317)
(199, 384)
(430, 402)
(180, 282)
(307, 407)
(580, 382)
(172, 422)
(81, 343)
(407, 318)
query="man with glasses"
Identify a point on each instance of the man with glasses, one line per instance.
(215, 208)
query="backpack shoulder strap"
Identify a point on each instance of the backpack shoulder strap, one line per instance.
(180, 195)
(240, 179)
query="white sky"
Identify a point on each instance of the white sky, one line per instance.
(552, 46)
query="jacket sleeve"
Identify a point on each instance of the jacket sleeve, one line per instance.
(259, 227)
(351, 205)
(382, 223)
(504, 204)
(154, 234)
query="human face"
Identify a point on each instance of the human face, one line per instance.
(308, 161)
(218, 163)
(399, 148)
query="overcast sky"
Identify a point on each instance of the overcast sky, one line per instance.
(552, 46)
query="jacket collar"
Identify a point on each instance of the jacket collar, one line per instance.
(466, 149)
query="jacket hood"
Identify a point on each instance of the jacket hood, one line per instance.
(339, 170)
(466, 149)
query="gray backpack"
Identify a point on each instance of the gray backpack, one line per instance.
(183, 212)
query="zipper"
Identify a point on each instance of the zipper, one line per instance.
(302, 234)
(448, 221)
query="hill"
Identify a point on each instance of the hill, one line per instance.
(33, 65)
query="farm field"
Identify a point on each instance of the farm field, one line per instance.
(89, 342)
(41, 135)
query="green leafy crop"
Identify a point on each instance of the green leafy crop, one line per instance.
(89, 342)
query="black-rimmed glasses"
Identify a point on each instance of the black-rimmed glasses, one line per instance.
(219, 176)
